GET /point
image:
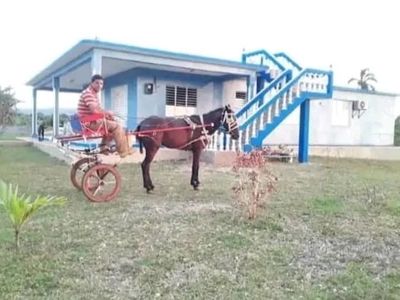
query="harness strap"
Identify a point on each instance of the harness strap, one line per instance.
(204, 137)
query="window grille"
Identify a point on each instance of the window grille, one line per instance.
(180, 96)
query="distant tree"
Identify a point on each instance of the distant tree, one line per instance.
(63, 119)
(397, 132)
(364, 81)
(23, 119)
(8, 107)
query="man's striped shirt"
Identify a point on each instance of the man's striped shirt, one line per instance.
(88, 97)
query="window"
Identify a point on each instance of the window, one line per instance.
(241, 95)
(180, 96)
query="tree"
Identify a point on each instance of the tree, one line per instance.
(8, 107)
(364, 81)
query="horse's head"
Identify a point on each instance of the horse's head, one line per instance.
(229, 122)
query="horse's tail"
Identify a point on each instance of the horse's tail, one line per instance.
(139, 139)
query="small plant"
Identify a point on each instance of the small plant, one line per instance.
(364, 80)
(21, 207)
(255, 182)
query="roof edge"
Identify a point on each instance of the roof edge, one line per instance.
(358, 90)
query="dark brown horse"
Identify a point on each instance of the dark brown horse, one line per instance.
(187, 133)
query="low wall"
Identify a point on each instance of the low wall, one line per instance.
(360, 152)
(226, 158)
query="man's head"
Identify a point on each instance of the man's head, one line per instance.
(97, 82)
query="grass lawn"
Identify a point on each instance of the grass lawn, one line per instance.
(8, 136)
(332, 231)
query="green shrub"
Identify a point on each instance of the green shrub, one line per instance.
(20, 207)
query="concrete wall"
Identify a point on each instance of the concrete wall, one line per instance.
(230, 87)
(333, 122)
(212, 92)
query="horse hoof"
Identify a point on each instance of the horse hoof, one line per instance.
(196, 188)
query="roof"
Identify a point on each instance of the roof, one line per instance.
(80, 56)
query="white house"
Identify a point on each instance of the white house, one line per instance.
(276, 100)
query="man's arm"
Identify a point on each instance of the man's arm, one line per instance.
(92, 103)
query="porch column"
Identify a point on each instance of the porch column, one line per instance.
(304, 128)
(34, 113)
(252, 87)
(96, 63)
(56, 90)
(96, 66)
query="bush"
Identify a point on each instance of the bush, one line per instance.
(254, 183)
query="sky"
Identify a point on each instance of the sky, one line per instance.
(345, 35)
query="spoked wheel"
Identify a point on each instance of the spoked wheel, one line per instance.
(79, 169)
(101, 183)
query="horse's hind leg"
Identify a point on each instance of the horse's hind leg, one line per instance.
(151, 151)
(194, 180)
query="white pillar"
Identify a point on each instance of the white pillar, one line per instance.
(96, 63)
(34, 113)
(56, 90)
(252, 87)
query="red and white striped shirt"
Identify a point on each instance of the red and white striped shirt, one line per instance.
(89, 102)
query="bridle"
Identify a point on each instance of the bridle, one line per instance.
(229, 119)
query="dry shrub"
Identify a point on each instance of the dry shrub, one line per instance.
(254, 183)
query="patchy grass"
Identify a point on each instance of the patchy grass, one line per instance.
(7, 136)
(329, 206)
(330, 232)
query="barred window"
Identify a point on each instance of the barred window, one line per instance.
(170, 95)
(180, 96)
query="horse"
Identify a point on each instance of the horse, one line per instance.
(188, 133)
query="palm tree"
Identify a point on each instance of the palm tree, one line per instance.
(364, 81)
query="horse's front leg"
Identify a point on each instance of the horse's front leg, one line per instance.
(194, 180)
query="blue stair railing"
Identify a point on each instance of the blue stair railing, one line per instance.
(260, 116)
(287, 61)
(287, 85)
(264, 58)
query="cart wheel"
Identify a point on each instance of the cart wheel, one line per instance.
(101, 183)
(79, 169)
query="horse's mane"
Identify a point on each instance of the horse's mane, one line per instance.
(216, 112)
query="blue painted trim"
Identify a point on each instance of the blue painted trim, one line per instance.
(132, 104)
(107, 98)
(266, 55)
(358, 90)
(304, 131)
(268, 128)
(85, 145)
(63, 90)
(195, 79)
(74, 64)
(165, 54)
(262, 134)
(55, 62)
(289, 59)
(261, 95)
(265, 106)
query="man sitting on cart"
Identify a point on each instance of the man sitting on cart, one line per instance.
(89, 104)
